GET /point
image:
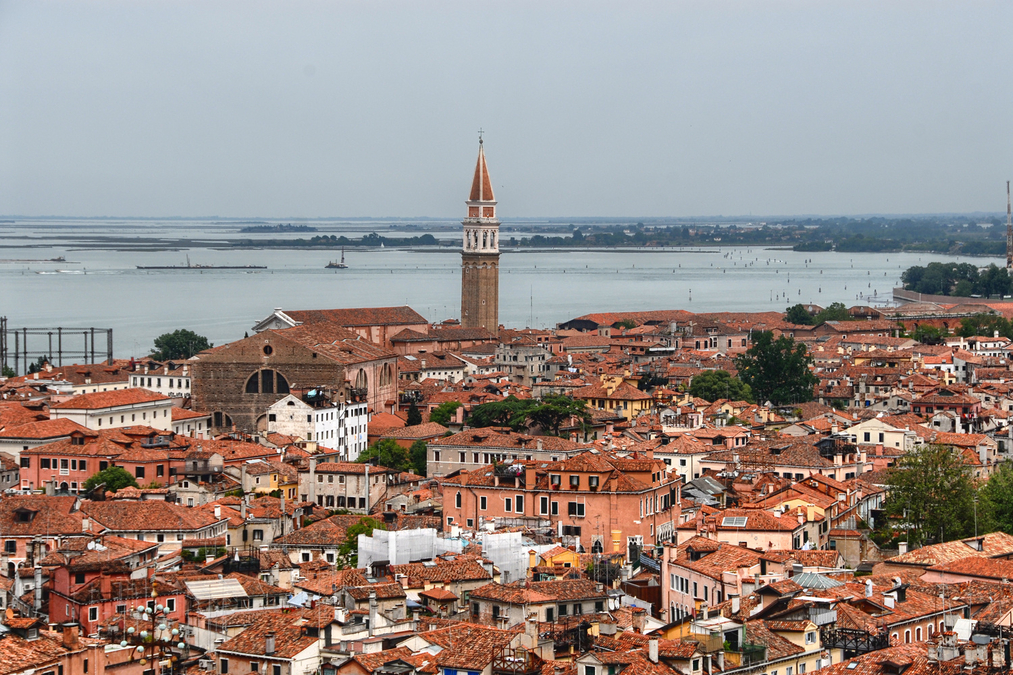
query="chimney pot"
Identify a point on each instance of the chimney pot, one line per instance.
(70, 634)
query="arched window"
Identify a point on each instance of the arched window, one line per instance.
(907, 637)
(918, 634)
(457, 500)
(386, 376)
(361, 381)
(221, 420)
(267, 382)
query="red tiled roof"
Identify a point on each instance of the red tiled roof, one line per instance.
(362, 316)
(148, 515)
(109, 399)
(43, 429)
(179, 414)
(426, 430)
(290, 638)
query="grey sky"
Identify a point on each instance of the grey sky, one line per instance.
(591, 109)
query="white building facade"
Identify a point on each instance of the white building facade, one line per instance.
(340, 426)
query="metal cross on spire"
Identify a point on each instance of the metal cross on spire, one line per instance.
(480, 132)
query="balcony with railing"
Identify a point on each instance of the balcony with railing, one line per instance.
(516, 662)
(745, 655)
(710, 643)
(854, 642)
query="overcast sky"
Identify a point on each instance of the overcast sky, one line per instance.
(295, 108)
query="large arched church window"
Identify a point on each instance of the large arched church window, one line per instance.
(267, 382)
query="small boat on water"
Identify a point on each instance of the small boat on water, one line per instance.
(337, 265)
(189, 266)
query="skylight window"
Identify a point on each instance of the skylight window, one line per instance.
(734, 521)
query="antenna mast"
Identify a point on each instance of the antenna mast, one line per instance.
(1009, 231)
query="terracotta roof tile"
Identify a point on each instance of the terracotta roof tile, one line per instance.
(109, 399)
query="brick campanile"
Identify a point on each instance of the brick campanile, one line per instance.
(480, 255)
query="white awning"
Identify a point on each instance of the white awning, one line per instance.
(215, 589)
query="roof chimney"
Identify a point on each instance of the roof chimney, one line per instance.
(652, 649)
(38, 588)
(70, 633)
(269, 644)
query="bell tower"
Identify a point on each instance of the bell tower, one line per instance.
(480, 255)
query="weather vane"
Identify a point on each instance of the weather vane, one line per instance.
(480, 132)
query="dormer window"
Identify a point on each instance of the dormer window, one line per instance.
(77, 440)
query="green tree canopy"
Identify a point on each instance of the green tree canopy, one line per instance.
(962, 279)
(798, 315)
(929, 335)
(387, 453)
(995, 503)
(417, 455)
(985, 324)
(777, 370)
(414, 416)
(649, 380)
(444, 412)
(115, 478)
(348, 552)
(510, 412)
(549, 413)
(180, 344)
(836, 311)
(711, 385)
(932, 494)
(38, 365)
(554, 410)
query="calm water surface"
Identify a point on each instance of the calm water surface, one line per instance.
(537, 288)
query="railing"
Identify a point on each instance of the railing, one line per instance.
(854, 642)
(745, 656)
(709, 642)
(516, 662)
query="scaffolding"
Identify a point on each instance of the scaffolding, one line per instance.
(18, 353)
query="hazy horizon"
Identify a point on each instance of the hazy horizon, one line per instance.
(285, 111)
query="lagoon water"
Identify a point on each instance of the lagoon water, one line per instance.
(538, 288)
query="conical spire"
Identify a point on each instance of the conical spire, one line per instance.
(481, 186)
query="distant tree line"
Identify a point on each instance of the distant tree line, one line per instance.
(286, 227)
(958, 279)
(331, 241)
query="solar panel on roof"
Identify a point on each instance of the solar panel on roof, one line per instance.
(215, 589)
